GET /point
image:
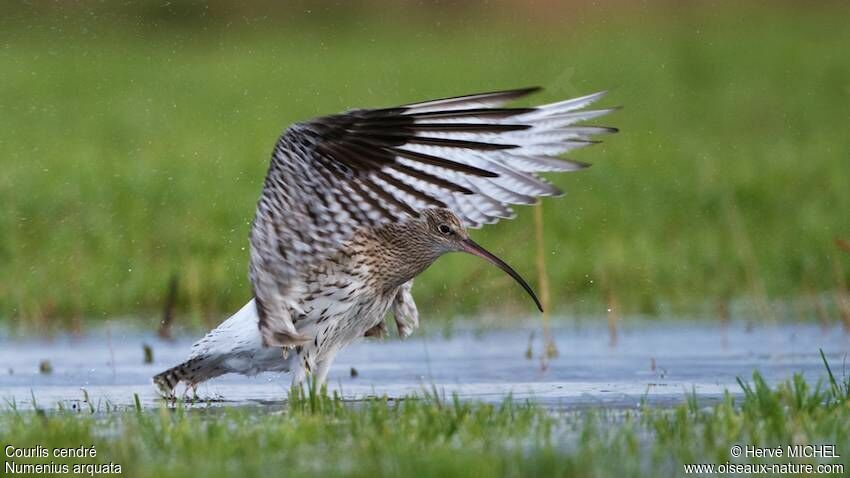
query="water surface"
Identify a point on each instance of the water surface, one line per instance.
(655, 361)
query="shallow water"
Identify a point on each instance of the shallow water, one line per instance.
(484, 366)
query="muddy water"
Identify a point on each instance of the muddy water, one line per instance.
(653, 361)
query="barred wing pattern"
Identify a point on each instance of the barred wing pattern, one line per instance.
(333, 175)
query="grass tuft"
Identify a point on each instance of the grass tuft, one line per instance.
(431, 435)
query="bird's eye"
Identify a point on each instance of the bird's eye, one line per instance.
(444, 229)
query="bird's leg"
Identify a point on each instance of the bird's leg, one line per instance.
(322, 369)
(317, 371)
(299, 375)
(305, 365)
(323, 365)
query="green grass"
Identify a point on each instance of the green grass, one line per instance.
(132, 150)
(432, 436)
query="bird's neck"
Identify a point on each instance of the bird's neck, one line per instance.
(397, 253)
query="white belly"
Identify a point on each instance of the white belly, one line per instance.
(337, 319)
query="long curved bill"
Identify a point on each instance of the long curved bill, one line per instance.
(473, 248)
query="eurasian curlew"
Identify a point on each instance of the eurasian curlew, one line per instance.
(356, 205)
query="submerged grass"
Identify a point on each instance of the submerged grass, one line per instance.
(438, 436)
(134, 150)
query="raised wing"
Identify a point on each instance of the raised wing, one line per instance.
(333, 175)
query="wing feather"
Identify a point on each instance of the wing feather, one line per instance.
(333, 175)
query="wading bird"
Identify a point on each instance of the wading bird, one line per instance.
(355, 205)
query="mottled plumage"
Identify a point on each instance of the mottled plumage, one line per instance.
(355, 205)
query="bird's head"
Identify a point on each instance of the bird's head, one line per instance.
(444, 232)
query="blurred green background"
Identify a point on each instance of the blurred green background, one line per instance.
(134, 138)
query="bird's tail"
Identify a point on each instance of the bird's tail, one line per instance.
(233, 346)
(191, 372)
